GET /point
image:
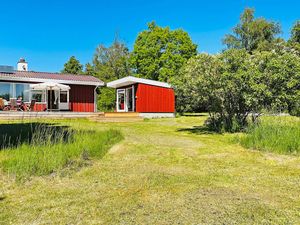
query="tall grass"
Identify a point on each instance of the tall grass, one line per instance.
(48, 151)
(274, 134)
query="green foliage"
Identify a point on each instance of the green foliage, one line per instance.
(275, 134)
(89, 69)
(195, 79)
(159, 52)
(295, 34)
(40, 155)
(221, 84)
(252, 34)
(112, 62)
(107, 99)
(235, 84)
(109, 63)
(280, 75)
(73, 66)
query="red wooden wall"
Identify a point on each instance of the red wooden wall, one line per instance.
(154, 99)
(82, 98)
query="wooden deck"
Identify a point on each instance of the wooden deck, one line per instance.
(121, 114)
(117, 117)
(97, 117)
(17, 115)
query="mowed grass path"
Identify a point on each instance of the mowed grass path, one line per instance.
(165, 171)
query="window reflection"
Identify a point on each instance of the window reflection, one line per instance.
(13, 90)
(5, 91)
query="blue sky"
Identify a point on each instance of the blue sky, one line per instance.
(47, 33)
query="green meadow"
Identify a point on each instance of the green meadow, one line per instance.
(158, 171)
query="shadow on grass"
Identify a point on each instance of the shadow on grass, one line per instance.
(15, 134)
(194, 114)
(197, 130)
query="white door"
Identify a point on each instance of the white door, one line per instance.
(64, 100)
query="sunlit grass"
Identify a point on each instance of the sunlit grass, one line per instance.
(49, 148)
(165, 171)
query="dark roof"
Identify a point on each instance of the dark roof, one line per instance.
(31, 76)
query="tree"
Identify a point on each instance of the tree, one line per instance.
(252, 34)
(190, 86)
(73, 66)
(236, 84)
(159, 52)
(295, 34)
(280, 73)
(110, 63)
(221, 84)
(89, 69)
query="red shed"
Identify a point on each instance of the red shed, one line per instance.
(48, 91)
(148, 97)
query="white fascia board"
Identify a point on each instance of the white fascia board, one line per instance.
(36, 80)
(133, 80)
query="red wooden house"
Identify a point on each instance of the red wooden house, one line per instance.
(64, 92)
(147, 97)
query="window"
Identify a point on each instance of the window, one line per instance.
(22, 90)
(63, 96)
(13, 90)
(5, 91)
(39, 96)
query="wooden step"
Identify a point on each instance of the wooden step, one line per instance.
(116, 119)
(121, 115)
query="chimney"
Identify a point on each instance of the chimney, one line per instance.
(22, 65)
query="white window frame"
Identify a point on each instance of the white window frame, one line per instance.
(124, 92)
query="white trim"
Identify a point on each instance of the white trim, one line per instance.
(41, 80)
(126, 81)
(133, 98)
(124, 92)
(95, 99)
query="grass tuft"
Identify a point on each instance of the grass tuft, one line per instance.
(49, 149)
(274, 134)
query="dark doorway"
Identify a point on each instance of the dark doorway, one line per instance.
(52, 100)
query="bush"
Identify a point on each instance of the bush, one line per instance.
(107, 99)
(225, 124)
(274, 134)
(295, 111)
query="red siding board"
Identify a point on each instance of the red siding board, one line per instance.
(82, 98)
(154, 99)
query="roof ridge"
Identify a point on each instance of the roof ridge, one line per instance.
(57, 73)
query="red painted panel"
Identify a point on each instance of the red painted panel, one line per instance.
(39, 107)
(154, 99)
(82, 98)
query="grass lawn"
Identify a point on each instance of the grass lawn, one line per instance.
(165, 171)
